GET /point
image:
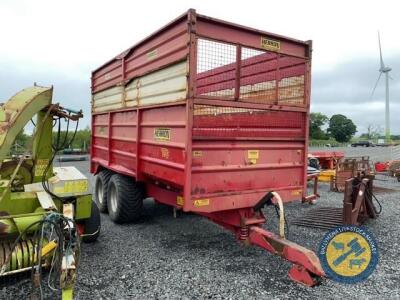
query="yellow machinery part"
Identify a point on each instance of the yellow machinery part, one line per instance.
(17, 112)
(49, 247)
(326, 175)
(24, 255)
(67, 294)
(16, 224)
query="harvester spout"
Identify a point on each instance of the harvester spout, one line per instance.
(17, 111)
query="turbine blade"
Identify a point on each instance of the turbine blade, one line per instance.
(376, 84)
(380, 51)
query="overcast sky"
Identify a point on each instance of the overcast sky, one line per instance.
(61, 42)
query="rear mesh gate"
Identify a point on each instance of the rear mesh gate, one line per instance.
(240, 149)
(234, 72)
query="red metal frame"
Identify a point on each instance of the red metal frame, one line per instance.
(223, 154)
(314, 196)
(327, 159)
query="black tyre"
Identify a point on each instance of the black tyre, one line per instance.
(125, 199)
(92, 225)
(101, 188)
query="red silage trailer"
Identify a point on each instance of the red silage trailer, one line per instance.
(208, 117)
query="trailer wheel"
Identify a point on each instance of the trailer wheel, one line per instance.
(101, 188)
(92, 225)
(125, 199)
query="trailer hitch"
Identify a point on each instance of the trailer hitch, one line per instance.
(306, 267)
(246, 226)
(247, 223)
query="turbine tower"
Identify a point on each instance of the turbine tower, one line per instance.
(384, 70)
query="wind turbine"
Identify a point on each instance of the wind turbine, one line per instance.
(384, 70)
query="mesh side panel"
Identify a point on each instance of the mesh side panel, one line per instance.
(233, 122)
(265, 77)
(258, 76)
(271, 78)
(215, 69)
(204, 110)
(291, 84)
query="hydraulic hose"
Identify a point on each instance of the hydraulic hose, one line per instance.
(281, 215)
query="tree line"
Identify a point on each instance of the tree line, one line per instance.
(81, 140)
(339, 127)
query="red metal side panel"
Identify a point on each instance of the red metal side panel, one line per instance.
(107, 76)
(99, 144)
(162, 144)
(233, 33)
(114, 141)
(245, 151)
(163, 48)
(169, 47)
(162, 132)
(122, 150)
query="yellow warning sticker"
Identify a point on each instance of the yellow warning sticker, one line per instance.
(269, 44)
(40, 166)
(201, 202)
(179, 200)
(253, 156)
(162, 134)
(197, 153)
(152, 54)
(297, 192)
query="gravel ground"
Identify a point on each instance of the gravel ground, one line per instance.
(191, 258)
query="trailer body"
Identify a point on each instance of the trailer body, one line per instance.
(212, 118)
(210, 115)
